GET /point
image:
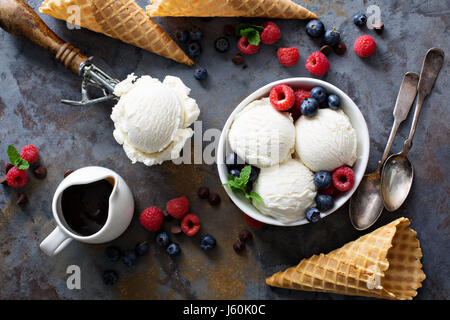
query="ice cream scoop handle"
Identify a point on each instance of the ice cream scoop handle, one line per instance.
(18, 18)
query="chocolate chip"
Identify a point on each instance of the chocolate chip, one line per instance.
(3, 181)
(238, 59)
(239, 246)
(203, 192)
(229, 30)
(8, 166)
(214, 199)
(68, 172)
(40, 172)
(340, 49)
(175, 229)
(326, 49)
(378, 27)
(245, 235)
(22, 199)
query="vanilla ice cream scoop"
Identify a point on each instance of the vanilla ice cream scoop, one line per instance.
(152, 118)
(261, 135)
(326, 141)
(287, 191)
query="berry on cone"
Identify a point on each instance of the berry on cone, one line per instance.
(288, 56)
(16, 178)
(271, 33)
(317, 64)
(152, 219)
(178, 207)
(365, 46)
(247, 48)
(282, 97)
(29, 153)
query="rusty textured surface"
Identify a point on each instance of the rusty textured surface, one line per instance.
(68, 138)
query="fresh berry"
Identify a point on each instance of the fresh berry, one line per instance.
(343, 178)
(249, 187)
(332, 37)
(301, 95)
(203, 192)
(247, 48)
(195, 34)
(113, 253)
(222, 44)
(178, 207)
(331, 190)
(214, 199)
(162, 239)
(282, 97)
(40, 172)
(238, 59)
(340, 49)
(324, 202)
(207, 242)
(152, 218)
(322, 180)
(182, 36)
(309, 107)
(194, 49)
(271, 33)
(235, 172)
(360, 19)
(334, 102)
(234, 162)
(326, 49)
(253, 174)
(288, 56)
(67, 173)
(173, 249)
(319, 93)
(110, 277)
(313, 215)
(365, 46)
(200, 73)
(142, 248)
(29, 153)
(317, 64)
(129, 258)
(315, 28)
(190, 224)
(252, 223)
(239, 246)
(245, 235)
(16, 178)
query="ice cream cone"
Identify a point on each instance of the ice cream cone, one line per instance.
(383, 264)
(282, 9)
(121, 19)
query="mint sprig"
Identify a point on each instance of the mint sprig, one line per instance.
(250, 31)
(239, 184)
(16, 159)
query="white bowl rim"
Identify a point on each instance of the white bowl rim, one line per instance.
(363, 149)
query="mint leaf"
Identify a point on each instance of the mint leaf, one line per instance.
(255, 196)
(242, 26)
(23, 164)
(239, 184)
(252, 36)
(13, 155)
(245, 175)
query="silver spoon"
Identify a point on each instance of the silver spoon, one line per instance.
(398, 172)
(366, 203)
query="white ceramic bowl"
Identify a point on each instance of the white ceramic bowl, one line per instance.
(347, 105)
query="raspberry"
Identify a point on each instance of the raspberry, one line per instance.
(190, 224)
(252, 223)
(288, 56)
(330, 191)
(178, 207)
(16, 178)
(317, 64)
(365, 46)
(29, 153)
(343, 178)
(282, 97)
(247, 48)
(300, 95)
(271, 33)
(152, 219)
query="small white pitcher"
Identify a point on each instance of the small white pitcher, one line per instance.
(121, 208)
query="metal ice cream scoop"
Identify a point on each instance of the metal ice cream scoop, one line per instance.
(18, 18)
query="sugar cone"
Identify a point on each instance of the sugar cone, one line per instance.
(282, 9)
(383, 264)
(121, 19)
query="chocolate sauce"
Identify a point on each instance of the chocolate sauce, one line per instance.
(85, 207)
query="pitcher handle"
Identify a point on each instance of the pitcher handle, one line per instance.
(55, 242)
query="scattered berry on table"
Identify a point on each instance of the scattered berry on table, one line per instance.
(326, 49)
(324, 202)
(319, 93)
(235, 172)
(113, 253)
(360, 19)
(207, 242)
(178, 207)
(162, 239)
(313, 215)
(282, 97)
(129, 258)
(238, 59)
(40, 172)
(252, 223)
(343, 178)
(332, 37)
(29, 153)
(309, 107)
(378, 27)
(68, 172)
(110, 277)
(203, 192)
(200, 73)
(317, 64)
(214, 199)
(271, 33)
(194, 49)
(239, 246)
(190, 224)
(16, 178)
(195, 34)
(173, 249)
(288, 56)
(176, 229)
(182, 36)
(331, 190)
(322, 180)
(365, 46)
(247, 48)
(222, 44)
(340, 49)
(152, 218)
(315, 28)
(245, 235)
(142, 248)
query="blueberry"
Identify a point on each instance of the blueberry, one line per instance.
(182, 36)
(332, 37)
(249, 187)
(194, 49)
(129, 258)
(200, 73)
(110, 277)
(195, 34)
(253, 174)
(113, 253)
(319, 93)
(207, 242)
(234, 162)
(309, 107)
(315, 28)
(324, 202)
(222, 44)
(360, 19)
(173, 249)
(162, 239)
(142, 248)
(313, 215)
(334, 102)
(235, 172)
(322, 180)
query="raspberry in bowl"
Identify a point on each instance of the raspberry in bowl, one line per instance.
(284, 189)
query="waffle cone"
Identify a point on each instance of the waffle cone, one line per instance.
(383, 264)
(121, 19)
(282, 9)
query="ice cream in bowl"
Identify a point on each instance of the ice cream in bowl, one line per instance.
(293, 152)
